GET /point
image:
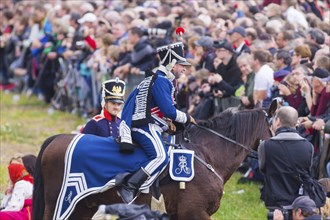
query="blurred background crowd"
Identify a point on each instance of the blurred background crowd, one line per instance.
(243, 54)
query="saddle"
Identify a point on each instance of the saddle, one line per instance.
(180, 168)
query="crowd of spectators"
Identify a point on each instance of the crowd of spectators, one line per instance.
(243, 54)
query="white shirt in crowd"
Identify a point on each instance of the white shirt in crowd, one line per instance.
(264, 79)
(15, 201)
(295, 17)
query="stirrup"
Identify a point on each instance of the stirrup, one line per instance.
(137, 195)
(134, 198)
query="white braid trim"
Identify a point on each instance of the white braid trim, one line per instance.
(169, 74)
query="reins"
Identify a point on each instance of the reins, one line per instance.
(227, 139)
(254, 153)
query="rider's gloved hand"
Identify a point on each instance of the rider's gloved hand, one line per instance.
(126, 148)
(171, 128)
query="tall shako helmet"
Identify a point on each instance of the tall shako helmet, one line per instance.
(173, 53)
(113, 90)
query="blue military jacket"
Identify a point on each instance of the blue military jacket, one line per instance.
(103, 125)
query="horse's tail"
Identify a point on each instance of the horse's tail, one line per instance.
(38, 203)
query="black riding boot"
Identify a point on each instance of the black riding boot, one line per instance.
(128, 191)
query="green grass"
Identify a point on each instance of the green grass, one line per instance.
(25, 123)
(241, 201)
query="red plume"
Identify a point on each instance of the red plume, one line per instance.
(179, 31)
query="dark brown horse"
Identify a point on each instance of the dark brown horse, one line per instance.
(202, 195)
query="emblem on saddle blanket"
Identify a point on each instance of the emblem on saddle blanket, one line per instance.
(182, 164)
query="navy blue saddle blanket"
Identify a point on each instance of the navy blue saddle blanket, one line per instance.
(91, 163)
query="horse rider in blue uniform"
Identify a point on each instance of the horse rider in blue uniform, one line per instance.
(107, 122)
(148, 111)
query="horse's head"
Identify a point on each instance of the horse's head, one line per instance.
(266, 125)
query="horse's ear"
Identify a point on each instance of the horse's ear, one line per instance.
(258, 105)
(272, 108)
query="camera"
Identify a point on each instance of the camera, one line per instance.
(80, 44)
(154, 32)
(287, 214)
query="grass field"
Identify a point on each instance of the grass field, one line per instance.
(27, 122)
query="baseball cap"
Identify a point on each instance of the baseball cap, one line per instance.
(88, 17)
(223, 44)
(239, 30)
(205, 41)
(320, 73)
(304, 203)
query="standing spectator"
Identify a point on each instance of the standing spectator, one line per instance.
(205, 108)
(119, 30)
(274, 14)
(292, 15)
(78, 30)
(315, 39)
(283, 39)
(107, 123)
(301, 55)
(141, 57)
(244, 62)
(204, 48)
(88, 22)
(237, 38)
(277, 155)
(263, 80)
(283, 65)
(227, 70)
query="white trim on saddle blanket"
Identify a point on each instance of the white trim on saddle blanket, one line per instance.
(182, 164)
(76, 185)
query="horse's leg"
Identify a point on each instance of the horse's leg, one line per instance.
(192, 210)
(87, 207)
(83, 211)
(199, 203)
(53, 169)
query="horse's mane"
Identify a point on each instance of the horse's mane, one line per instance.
(237, 125)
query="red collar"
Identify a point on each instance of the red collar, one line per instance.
(108, 116)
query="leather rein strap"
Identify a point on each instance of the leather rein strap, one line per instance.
(227, 139)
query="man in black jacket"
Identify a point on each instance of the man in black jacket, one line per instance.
(283, 158)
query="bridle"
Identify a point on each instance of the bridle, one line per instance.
(247, 148)
(209, 166)
(227, 139)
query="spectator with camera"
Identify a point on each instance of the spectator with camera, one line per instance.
(141, 57)
(296, 90)
(205, 108)
(302, 207)
(280, 163)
